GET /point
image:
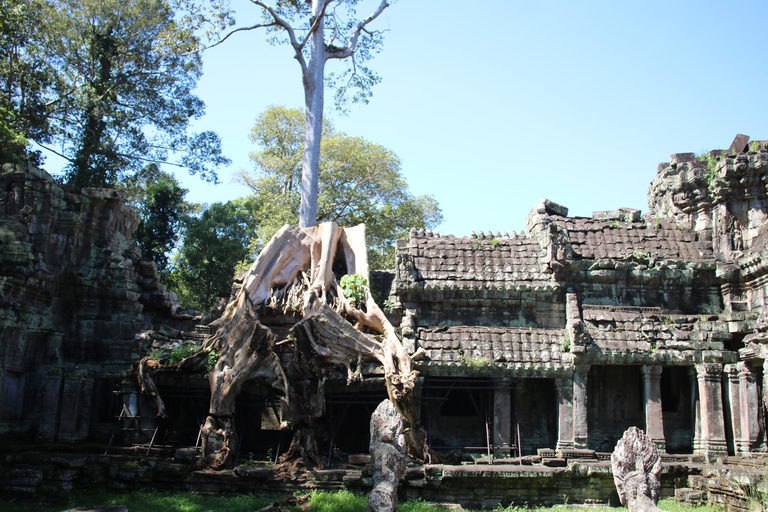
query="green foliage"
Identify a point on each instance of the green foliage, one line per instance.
(213, 358)
(338, 501)
(754, 145)
(24, 78)
(182, 352)
(712, 159)
(640, 257)
(474, 362)
(152, 501)
(215, 242)
(354, 287)
(176, 355)
(159, 199)
(105, 88)
(359, 182)
(12, 144)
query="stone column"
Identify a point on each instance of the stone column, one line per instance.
(765, 385)
(580, 428)
(654, 419)
(734, 402)
(502, 417)
(712, 441)
(749, 401)
(564, 413)
(695, 408)
(51, 404)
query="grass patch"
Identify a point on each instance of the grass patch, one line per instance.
(149, 501)
(340, 501)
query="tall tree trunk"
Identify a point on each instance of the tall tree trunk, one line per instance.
(314, 99)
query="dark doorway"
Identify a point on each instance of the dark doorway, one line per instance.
(677, 408)
(614, 403)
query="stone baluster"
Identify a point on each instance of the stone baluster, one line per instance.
(580, 425)
(564, 389)
(654, 419)
(712, 437)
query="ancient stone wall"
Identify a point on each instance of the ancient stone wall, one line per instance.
(71, 290)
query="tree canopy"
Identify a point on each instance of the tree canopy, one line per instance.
(360, 182)
(215, 242)
(159, 199)
(112, 88)
(24, 79)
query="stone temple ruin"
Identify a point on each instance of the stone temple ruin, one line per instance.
(582, 327)
(547, 342)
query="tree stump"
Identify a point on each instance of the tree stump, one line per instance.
(636, 467)
(388, 457)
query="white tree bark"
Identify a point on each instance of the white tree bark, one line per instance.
(313, 80)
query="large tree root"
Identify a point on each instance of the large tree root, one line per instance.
(307, 259)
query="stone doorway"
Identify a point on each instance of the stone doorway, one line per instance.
(615, 403)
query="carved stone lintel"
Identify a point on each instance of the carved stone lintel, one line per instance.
(636, 467)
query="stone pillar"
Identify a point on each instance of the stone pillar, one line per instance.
(749, 401)
(502, 417)
(734, 401)
(712, 441)
(695, 408)
(564, 413)
(765, 385)
(51, 406)
(580, 429)
(654, 419)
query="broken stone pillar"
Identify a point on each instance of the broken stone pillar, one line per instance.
(580, 429)
(654, 419)
(388, 457)
(502, 417)
(636, 468)
(564, 389)
(712, 436)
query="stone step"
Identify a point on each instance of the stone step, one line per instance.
(688, 495)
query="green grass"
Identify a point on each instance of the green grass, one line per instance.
(341, 501)
(148, 501)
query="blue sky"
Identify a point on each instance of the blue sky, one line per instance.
(493, 105)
